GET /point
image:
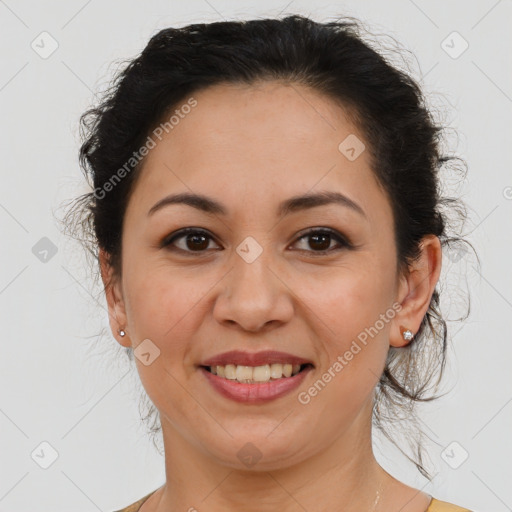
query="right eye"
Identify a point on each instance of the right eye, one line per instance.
(195, 240)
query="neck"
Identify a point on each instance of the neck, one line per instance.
(345, 476)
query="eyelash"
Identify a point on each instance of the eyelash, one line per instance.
(343, 242)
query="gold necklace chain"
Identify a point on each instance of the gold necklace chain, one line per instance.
(377, 497)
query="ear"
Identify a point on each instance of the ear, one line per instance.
(113, 293)
(415, 290)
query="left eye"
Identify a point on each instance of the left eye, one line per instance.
(321, 240)
(197, 240)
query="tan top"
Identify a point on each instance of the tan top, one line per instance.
(134, 507)
(435, 506)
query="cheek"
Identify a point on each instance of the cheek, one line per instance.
(160, 306)
(354, 346)
(352, 310)
(348, 301)
(165, 308)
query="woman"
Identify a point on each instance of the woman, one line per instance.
(269, 231)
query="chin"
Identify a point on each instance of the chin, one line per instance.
(259, 451)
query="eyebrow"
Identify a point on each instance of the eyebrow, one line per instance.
(293, 204)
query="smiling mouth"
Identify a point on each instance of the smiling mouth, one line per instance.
(257, 374)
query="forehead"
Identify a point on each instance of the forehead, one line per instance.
(245, 119)
(251, 144)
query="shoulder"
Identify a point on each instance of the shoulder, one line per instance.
(134, 507)
(444, 506)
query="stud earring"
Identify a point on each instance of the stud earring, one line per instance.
(407, 335)
(121, 333)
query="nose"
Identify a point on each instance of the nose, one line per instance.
(254, 297)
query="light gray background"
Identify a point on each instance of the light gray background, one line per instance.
(54, 389)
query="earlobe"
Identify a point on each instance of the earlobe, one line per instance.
(113, 295)
(419, 285)
(407, 334)
(405, 338)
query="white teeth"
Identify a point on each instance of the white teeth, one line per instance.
(243, 373)
(276, 371)
(287, 370)
(250, 374)
(261, 373)
(230, 371)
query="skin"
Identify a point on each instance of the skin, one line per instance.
(249, 148)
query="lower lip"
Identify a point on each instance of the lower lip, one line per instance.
(255, 393)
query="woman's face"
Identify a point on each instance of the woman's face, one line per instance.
(253, 280)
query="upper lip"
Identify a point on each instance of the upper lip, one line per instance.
(239, 357)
